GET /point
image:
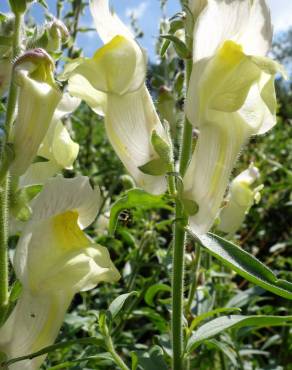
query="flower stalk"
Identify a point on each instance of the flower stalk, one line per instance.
(4, 191)
(180, 236)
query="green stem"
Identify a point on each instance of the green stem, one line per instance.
(4, 192)
(115, 356)
(177, 287)
(179, 238)
(4, 285)
(195, 271)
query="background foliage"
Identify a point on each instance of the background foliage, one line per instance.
(141, 247)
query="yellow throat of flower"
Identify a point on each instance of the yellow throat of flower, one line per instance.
(231, 52)
(67, 231)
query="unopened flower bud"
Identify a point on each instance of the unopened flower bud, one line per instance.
(18, 6)
(240, 199)
(58, 33)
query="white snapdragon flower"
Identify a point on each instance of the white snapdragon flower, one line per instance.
(112, 82)
(54, 259)
(231, 97)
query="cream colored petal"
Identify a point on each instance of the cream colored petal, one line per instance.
(248, 176)
(207, 176)
(224, 83)
(56, 255)
(245, 22)
(129, 122)
(118, 67)
(38, 173)
(107, 23)
(196, 6)
(60, 195)
(80, 87)
(192, 103)
(81, 270)
(239, 200)
(259, 108)
(257, 36)
(64, 149)
(232, 216)
(34, 324)
(36, 106)
(67, 105)
(224, 21)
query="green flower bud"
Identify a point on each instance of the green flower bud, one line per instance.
(18, 6)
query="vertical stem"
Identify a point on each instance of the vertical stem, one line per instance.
(179, 239)
(76, 9)
(3, 246)
(4, 191)
(177, 287)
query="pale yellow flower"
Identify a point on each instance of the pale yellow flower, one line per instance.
(112, 82)
(231, 97)
(54, 259)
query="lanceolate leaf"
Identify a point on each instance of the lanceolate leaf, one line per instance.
(117, 304)
(135, 198)
(244, 264)
(220, 324)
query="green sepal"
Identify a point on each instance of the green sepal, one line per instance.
(155, 167)
(190, 207)
(162, 148)
(20, 199)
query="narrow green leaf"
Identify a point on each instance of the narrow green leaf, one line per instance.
(225, 348)
(135, 198)
(179, 46)
(153, 290)
(164, 47)
(206, 315)
(244, 297)
(218, 325)
(134, 359)
(244, 264)
(117, 304)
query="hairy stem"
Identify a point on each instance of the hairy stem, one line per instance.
(179, 239)
(4, 191)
